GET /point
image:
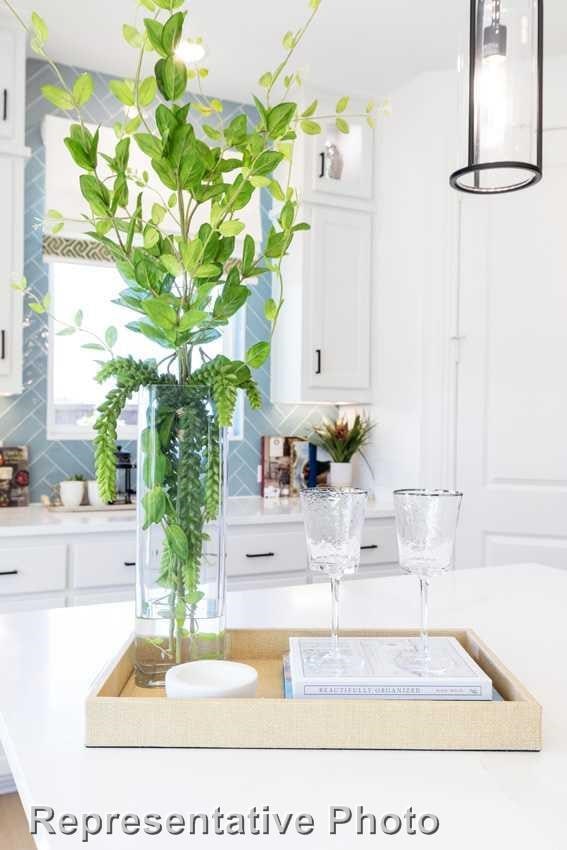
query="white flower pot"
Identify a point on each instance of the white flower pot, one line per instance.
(340, 475)
(94, 495)
(72, 493)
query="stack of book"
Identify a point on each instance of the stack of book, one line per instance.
(371, 669)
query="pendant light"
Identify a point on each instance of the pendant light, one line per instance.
(504, 145)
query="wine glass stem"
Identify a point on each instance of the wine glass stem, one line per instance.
(335, 588)
(424, 584)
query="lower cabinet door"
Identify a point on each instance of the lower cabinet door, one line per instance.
(266, 552)
(106, 563)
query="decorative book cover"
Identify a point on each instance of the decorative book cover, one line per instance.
(310, 466)
(276, 466)
(14, 477)
(373, 672)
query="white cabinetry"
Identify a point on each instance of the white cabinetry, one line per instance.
(12, 160)
(321, 351)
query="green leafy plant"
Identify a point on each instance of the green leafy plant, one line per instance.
(76, 477)
(341, 440)
(183, 283)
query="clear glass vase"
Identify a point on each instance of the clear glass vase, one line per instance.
(180, 588)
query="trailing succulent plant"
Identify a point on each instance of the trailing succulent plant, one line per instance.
(183, 282)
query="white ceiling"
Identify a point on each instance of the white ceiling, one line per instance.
(367, 47)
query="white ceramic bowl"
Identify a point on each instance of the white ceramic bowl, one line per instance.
(211, 680)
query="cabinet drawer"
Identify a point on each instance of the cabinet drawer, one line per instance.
(379, 544)
(264, 553)
(32, 569)
(104, 564)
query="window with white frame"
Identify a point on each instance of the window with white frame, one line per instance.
(73, 393)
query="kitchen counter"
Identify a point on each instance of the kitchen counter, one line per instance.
(50, 658)
(242, 510)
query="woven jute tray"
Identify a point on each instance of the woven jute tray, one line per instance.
(120, 714)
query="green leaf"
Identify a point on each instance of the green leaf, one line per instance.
(279, 118)
(148, 4)
(172, 32)
(191, 319)
(342, 104)
(171, 264)
(312, 128)
(148, 144)
(80, 156)
(154, 32)
(158, 214)
(231, 228)
(257, 355)
(39, 27)
(276, 191)
(177, 540)
(93, 346)
(267, 162)
(248, 252)
(311, 110)
(133, 37)
(260, 182)
(208, 270)
(58, 97)
(171, 78)
(342, 125)
(66, 332)
(270, 309)
(36, 307)
(78, 318)
(288, 41)
(371, 121)
(151, 237)
(147, 91)
(154, 503)
(213, 134)
(123, 90)
(110, 336)
(266, 80)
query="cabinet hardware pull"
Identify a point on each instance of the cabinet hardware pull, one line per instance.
(9, 573)
(370, 546)
(322, 158)
(318, 358)
(261, 555)
(5, 105)
(129, 563)
(2, 345)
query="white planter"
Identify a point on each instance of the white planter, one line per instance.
(340, 475)
(72, 493)
(94, 494)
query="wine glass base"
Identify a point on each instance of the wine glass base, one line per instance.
(333, 661)
(415, 660)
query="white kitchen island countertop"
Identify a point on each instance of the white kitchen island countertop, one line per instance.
(483, 800)
(241, 510)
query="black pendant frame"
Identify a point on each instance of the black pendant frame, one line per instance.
(474, 166)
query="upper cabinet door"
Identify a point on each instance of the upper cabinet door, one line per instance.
(11, 269)
(8, 104)
(339, 167)
(12, 86)
(338, 303)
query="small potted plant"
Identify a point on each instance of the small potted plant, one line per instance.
(342, 441)
(72, 491)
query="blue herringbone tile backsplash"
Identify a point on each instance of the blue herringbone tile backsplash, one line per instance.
(23, 418)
